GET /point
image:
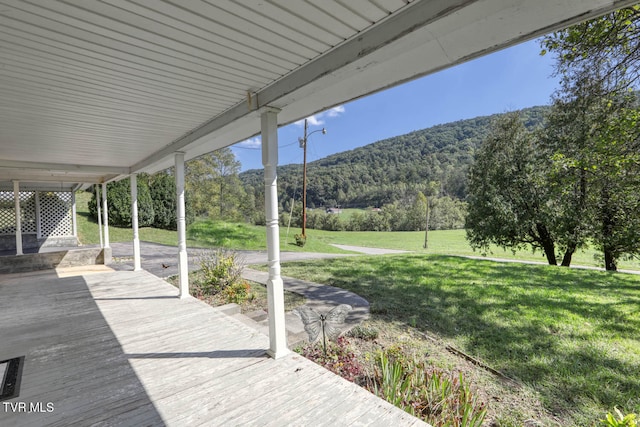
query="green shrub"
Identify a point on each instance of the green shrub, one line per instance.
(163, 194)
(301, 240)
(237, 292)
(119, 203)
(363, 333)
(220, 270)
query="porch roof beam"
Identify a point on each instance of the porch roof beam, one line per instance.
(58, 167)
(44, 176)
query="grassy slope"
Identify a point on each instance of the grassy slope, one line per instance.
(571, 335)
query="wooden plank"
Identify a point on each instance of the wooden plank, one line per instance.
(118, 348)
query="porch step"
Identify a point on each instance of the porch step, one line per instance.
(229, 309)
(62, 258)
(257, 315)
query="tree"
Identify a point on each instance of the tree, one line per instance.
(618, 180)
(215, 190)
(119, 203)
(566, 137)
(594, 132)
(199, 175)
(605, 50)
(416, 215)
(596, 170)
(447, 213)
(163, 193)
(508, 191)
(231, 192)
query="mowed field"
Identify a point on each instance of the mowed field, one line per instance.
(569, 337)
(205, 233)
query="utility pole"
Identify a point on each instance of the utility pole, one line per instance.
(304, 181)
(303, 145)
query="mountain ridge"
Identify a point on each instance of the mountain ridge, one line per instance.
(392, 169)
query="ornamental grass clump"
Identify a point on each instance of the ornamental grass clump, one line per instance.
(439, 397)
(620, 419)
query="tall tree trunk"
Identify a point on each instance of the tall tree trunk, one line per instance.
(547, 244)
(568, 254)
(608, 225)
(221, 195)
(572, 244)
(610, 263)
(426, 230)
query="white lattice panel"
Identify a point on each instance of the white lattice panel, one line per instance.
(27, 212)
(55, 213)
(7, 213)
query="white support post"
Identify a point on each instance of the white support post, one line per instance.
(275, 288)
(105, 215)
(134, 222)
(16, 198)
(38, 216)
(99, 210)
(74, 221)
(183, 266)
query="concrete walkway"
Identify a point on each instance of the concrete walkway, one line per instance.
(321, 298)
(162, 260)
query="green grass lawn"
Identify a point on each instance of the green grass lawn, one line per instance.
(573, 336)
(202, 233)
(447, 242)
(206, 233)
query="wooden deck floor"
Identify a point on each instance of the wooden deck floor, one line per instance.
(120, 349)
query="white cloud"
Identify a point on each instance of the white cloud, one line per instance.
(319, 119)
(255, 142)
(315, 120)
(335, 111)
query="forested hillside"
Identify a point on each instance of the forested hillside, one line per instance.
(391, 170)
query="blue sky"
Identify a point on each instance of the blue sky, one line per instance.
(511, 79)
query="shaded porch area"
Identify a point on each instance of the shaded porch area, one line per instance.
(121, 347)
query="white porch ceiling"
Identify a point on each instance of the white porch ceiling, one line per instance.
(93, 90)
